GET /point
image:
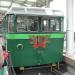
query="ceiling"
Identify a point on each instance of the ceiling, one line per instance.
(6, 4)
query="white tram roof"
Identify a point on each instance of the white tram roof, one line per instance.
(34, 11)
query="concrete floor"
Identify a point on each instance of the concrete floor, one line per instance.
(66, 73)
(42, 71)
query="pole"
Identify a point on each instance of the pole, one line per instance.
(70, 33)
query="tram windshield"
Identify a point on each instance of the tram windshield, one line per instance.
(51, 24)
(27, 23)
(21, 23)
(10, 23)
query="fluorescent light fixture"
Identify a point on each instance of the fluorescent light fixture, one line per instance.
(5, 3)
(3, 9)
(32, 0)
(20, 0)
(16, 5)
(26, 0)
(28, 5)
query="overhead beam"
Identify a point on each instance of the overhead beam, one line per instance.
(4, 6)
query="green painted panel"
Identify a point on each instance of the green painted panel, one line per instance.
(2, 71)
(27, 36)
(29, 56)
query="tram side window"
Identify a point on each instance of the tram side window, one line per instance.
(50, 25)
(10, 23)
(3, 26)
(45, 25)
(54, 24)
(27, 23)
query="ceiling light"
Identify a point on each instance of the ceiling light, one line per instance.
(3, 9)
(5, 3)
(21, 0)
(32, 0)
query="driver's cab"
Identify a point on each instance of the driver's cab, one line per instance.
(34, 24)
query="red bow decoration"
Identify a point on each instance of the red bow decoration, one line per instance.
(39, 45)
(5, 55)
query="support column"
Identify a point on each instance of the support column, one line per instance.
(70, 33)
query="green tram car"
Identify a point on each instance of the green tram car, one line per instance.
(34, 36)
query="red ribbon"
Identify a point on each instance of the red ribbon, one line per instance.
(39, 45)
(5, 55)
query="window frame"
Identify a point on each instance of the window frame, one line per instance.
(49, 23)
(27, 25)
(8, 30)
(44, 18)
